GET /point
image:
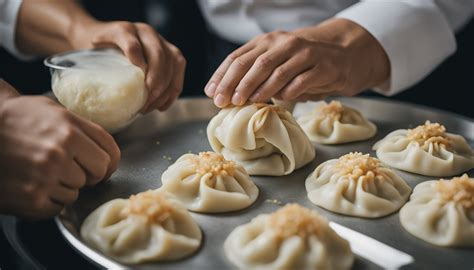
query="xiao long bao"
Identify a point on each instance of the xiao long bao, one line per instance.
(293, 237)
(441, 212)
(357, 185)
(147, 227)
(263, 138)
(333, 123)
(209, 183)
(427, 150)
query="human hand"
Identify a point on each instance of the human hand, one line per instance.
(336, 57)
(47, 154)
(161, 61)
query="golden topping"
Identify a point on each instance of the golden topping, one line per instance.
(458, 189)
(357, 164)
(294, 219)
(150, 204)
(214, 163)
(332, 110)
(428, 133)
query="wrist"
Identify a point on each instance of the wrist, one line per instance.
(363, 52)
(81, 34)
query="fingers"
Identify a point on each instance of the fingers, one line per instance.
(160, 64)
(215, 79)
(124, 36)
(234, 74)
(63, 195)
(73, 176)
(318, 82)
(176, 86)
(279, 78)
(95, 151)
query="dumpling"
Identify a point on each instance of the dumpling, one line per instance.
(263, 138)
(208, 183)
(293, 237)
(442, 212)
(357, 185)
(427, 149)
(149, 226)
(333, 123)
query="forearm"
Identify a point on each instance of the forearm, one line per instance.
(49, 26)
(360, 46)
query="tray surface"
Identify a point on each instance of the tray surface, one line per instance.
(155, 141)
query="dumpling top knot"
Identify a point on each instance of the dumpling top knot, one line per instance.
(332, 110)
(215, 164)
(356, 164)
(295, 220)
(428, 133)
(458, 189)
(150, 204)
(273, 107)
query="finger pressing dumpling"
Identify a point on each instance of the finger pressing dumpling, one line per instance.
(333, 123)
(263, 138)
(149, 226)
(441, 212)
(209, 183)
(427, 149)
(293, 237)
(357, 185)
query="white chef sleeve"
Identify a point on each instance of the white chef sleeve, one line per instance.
(8, 17)
(416, 35)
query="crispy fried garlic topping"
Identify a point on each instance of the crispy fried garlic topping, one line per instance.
(294, 219)
(214, 163)
(150, 204)
(357, 164)
(332, 110)
(458, 189)
(428, 133)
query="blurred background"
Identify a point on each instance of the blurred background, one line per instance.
(182, 24)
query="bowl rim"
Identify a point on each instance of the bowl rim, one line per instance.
(49, 61)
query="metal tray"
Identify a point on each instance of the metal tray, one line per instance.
(155, 141)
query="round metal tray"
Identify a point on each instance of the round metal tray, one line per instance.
(155, 141)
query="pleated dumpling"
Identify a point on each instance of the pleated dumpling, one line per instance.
(263, 138)
(357, 185)
(333, 123)
(427, 149)
(209, 183)
(149, 226)
(293, 237)
(441, 212)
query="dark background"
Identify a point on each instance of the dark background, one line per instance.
(449, 88)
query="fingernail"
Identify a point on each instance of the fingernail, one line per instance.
(237, 99)
(210, 90)
(220, 100)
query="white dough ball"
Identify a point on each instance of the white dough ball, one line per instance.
(104, 88)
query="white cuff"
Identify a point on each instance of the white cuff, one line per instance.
(414, 34)
(8, 18)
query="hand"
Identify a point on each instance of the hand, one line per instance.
(38, 32)
(162, 63)
(47, 154)
(336, 57)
